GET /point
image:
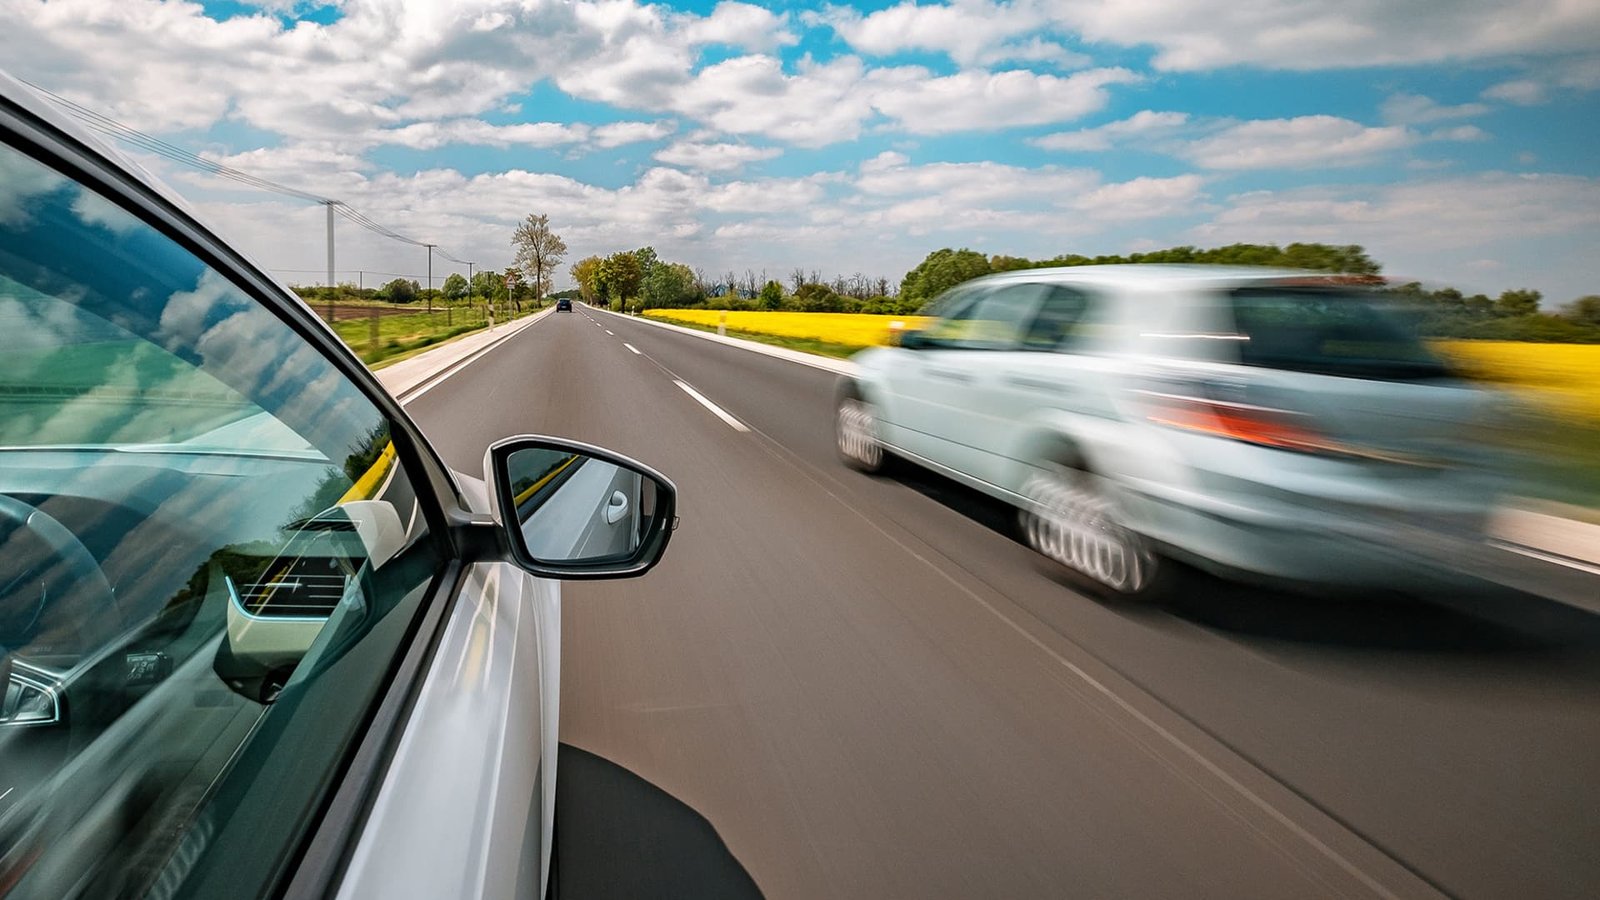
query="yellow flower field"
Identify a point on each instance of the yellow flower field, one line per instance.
(1566, 376)
(846, 329)
(1563, 375)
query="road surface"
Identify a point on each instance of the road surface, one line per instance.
(870, 689)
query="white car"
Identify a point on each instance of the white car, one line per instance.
(1259, 422)
(255, 638)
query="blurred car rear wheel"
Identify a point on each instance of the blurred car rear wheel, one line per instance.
(856, 432)
(1073, 521)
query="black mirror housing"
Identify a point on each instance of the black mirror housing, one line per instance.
(573, 511)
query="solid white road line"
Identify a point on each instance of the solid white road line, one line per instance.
(631, 347)
(437, 378)
(716, 410)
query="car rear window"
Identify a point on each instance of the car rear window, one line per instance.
(1329, 332)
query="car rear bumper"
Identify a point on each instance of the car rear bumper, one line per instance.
(1319, 541)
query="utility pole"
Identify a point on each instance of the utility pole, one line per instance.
(470, 289)
(430, 278)
(329, 205)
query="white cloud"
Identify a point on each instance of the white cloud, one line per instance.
(1143, 124)
(969, 31)
(1293, 34)
(1459, 133)
(432, 135)
(990, 100)
(1143, 198)
(1415, 109)
(714, 157)
(616, 134)
(1034, 50)
(741, 25)
(1300, 142)
(1521, 91)
(1454, 213)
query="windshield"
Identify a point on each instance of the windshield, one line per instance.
(1326, 332)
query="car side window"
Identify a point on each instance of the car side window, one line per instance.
(994, 321)
(204, 527)
(1060, 320)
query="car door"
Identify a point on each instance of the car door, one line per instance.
(1050, 369)
(249, 623)
(953, 362)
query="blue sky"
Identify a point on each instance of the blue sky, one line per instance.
(1453, 138)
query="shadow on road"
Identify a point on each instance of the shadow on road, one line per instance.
(619, 836)
(1496, 623)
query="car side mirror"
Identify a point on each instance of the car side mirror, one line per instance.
(573, 511)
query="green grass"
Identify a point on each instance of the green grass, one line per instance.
(402, 336)
(805, 345)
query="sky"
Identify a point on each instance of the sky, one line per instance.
(1454, 139)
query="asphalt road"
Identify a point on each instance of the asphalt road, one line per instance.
(870, 689)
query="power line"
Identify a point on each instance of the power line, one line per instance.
(128, 134)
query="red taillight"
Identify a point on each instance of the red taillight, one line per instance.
(1238, 421)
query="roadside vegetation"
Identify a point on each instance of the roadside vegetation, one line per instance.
(401, 317)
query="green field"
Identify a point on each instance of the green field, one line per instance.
(404, 334)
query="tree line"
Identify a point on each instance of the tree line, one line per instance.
(636, 280)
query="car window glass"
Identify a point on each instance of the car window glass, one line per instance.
(1060, 321)
(200, 518)
(1328, 332)
(994, 321)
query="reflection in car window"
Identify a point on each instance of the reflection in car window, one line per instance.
(199, 517)
(994, 322)
(1328, 332)
(1060, 321)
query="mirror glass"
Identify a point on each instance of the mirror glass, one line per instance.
(571, 507)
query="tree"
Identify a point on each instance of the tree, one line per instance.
(1585, 310)
(619, 278)
(667, 284)
(586, 272)
(1517, 303)
(400, 291)
(817, 298)
(940, 271)
(490, 286)
(647, 260)
(539, 251)
(771, 295)
(455, 287)
(797, 277)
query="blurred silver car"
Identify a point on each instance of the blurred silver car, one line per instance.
(255, 638)
(1257, 422)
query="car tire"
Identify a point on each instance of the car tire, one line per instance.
(855, 429)
(1075, 522)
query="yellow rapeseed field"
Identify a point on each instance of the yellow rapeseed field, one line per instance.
(1566, 376)
(845, 329)
(1563, 375)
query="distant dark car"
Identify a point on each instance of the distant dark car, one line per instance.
(563, 305)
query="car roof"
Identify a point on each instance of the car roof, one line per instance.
(1169, 275)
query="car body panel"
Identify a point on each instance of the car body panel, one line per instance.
(466, 808)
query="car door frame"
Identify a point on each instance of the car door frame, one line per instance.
(316, 865)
